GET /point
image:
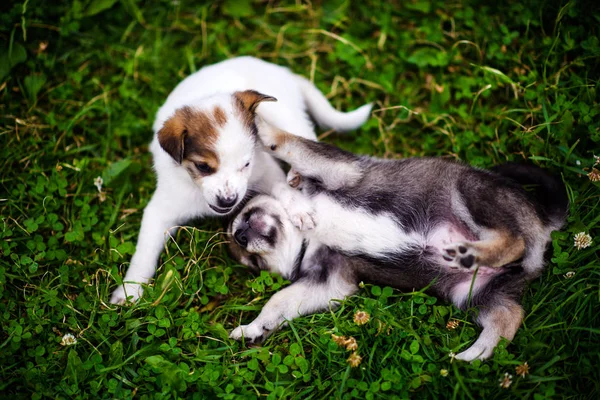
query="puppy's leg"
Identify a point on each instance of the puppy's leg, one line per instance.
(498, 248)
(498, 321)
(299, 207)
(158, 218)
(272, 180)
(332, 167)
(300, 298)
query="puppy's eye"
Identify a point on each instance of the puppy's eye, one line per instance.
(204, 168)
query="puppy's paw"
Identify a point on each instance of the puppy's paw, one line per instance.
(461, 255)
(475, 352)
(269, 135)
(252, 333)
(294, 179)
(302, 215)
(304, 221)
(127, 293)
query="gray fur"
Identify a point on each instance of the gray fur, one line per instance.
(421, 195)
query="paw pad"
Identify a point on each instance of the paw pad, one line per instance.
(460, 255)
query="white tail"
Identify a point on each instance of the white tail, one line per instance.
(327, 116)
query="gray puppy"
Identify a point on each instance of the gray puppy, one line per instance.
(469, 236)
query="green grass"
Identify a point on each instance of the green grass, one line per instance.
(79, 85)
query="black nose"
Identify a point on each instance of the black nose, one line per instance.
(241, 238)
(226, 202)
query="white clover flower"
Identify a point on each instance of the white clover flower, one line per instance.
(361, 317)
(98, 183)
(506, 381)
(354, 360)
(522, 369)
(569, 274)
(68, 340)
(452, 356)
(582, 240)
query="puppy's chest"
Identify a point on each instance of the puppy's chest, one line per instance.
(320, 262)
(356, 230)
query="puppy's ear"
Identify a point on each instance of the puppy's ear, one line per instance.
(172, 136)
(250, 99)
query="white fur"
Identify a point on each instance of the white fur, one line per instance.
(491, 334)
(178, 198)
(300, 298)
(327, 116)
(351, 230)
(357, 230)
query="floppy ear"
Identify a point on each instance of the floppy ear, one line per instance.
(250, 99)
(171, 137)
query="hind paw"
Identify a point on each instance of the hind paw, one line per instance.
(461, 255)
(476, 352)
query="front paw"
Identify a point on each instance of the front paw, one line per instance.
(250, 333)
(268, 134)
(461, 255)
(128, 292)
(303, 218)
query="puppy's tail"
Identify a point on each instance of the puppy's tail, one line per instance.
(545, 190)
(327, 116)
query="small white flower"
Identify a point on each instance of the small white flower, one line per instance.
(68, 340)
(577, 162)
(361, 317)
(98, 183)
(354, 360)
(594, 175)
(570, 274)
(506, 381)
(452, 356)
(522, 369)
(582, 240)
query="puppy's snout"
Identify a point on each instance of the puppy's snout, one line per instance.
(241, 237)
(227, 202)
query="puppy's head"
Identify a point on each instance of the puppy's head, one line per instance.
(263, 237)
(214, 139)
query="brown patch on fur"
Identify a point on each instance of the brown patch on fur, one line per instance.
(250, 99)
(505, 319)
(189, 136)
(219, 116)
(278, 138)
(499, 251)
(246, 103)
(172, 135)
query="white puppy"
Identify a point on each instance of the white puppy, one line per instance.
(206, 151)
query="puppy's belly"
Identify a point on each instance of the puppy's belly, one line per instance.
(357, 231)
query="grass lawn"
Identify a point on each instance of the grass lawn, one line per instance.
(80, 83)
